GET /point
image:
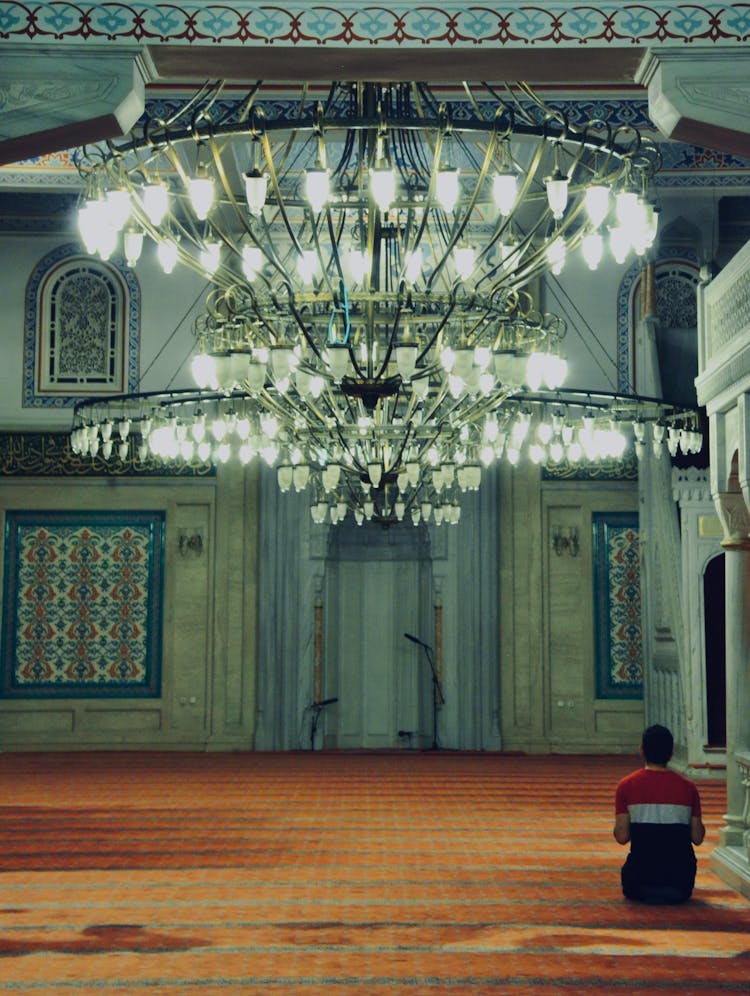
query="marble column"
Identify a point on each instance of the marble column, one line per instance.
(736, 521)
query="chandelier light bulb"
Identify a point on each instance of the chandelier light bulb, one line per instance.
(619, 243)
(167, 253)
(107, 241)
(406, 360)
(375, 473)
(210, 256)
(447, 188)
(596, 200)
(592, 248)
(155, 198)
(535, 369)
(575, 451)
(317, 188)
(118, 207)
(557, 193)
(88, 226)
(505, 191)
(413, 263)
(307, 265)
(464, 260)
(201, 190)
(626, 207)
(383, 187)
(256, 188)
(203, 368)
(338, 362)
(252, 261)
(358, 264)
(556, 252)
(132, 243)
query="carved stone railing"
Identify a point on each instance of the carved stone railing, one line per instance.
(723, 326)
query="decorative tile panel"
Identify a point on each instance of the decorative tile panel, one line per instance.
(617, 606)
(350, 23)
(82, 604)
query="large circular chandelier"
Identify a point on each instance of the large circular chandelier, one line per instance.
(373, 331)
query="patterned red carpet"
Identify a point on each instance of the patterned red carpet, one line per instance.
(341, 873)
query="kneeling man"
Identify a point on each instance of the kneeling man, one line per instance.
(658, 812)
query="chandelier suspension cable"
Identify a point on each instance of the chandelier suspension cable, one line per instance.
(371, 330)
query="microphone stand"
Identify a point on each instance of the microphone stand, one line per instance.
(437, 691)
(317, 708)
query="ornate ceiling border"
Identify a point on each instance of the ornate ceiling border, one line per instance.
(350, 23)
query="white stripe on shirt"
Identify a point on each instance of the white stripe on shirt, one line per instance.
(659, 812)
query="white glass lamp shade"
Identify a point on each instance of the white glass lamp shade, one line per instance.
(557, 194)
(406, 359)
(203, 368)
(535, 369)
(375, 473)
(201, 190)
(592, 248)
(256, 187)
(505, 189)
(413, 262)
(619, 243)
(118, 207)
(224, 378)
(383, 187)
(167, 253)
(358, 264)
(256, 376)
(447, 188)
(88, 226)
(596, 199)
(252, 261)
(464, 260)
(155, 197)
(307, 265)
(107, 241)
(338, 362)
(281, 362)
(132, 243)
(626, 204)
(317, 188)
(284, 475)
(556, 252)
(300, 477)
(238, 365)
(210, 256)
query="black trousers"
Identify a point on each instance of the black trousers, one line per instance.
(658, 884)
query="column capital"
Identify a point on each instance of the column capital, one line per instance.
(735, 519)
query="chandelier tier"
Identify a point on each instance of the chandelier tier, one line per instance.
(372, 329)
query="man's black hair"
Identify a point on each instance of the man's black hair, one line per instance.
(657, 743)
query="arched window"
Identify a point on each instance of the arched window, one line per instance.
(675, 285)
(82, 317)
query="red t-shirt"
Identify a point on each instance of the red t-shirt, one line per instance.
(652, 795)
